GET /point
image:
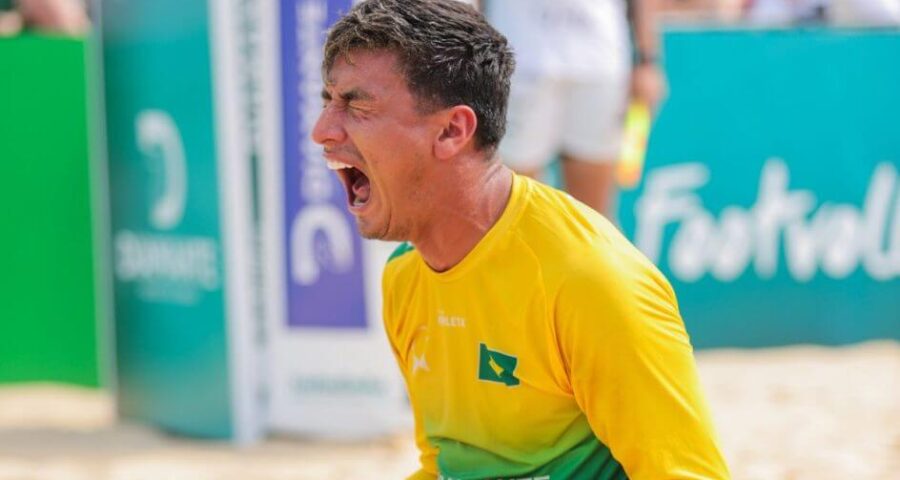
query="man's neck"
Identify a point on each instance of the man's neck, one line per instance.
(468, 209)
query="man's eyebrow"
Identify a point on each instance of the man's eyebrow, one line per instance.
(355, 94)
(349, 95)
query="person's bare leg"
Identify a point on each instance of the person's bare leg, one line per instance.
(10, 23)
(592, 183)
(61, 16)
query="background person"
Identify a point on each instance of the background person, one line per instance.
(574, 77)
(67, 17)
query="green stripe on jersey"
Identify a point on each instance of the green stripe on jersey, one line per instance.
(589, 459)
(402, 249)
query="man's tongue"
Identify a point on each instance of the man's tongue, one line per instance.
(361, 189)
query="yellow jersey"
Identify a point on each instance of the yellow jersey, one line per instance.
(554, 350)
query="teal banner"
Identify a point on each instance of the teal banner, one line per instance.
(771, 197)
(171, 332)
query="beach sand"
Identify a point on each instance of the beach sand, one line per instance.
(785, 413)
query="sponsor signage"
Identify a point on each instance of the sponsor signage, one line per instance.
(771, 198)
(53, 300)
(180, 216)
(331, 370)
(324, 253)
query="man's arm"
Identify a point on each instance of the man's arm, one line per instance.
(648, 82)
(427, 453)
(632, 371)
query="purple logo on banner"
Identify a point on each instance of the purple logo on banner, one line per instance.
(324, 271)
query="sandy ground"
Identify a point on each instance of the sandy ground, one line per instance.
(791, 413)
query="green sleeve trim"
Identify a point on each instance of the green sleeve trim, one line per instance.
(401, 250)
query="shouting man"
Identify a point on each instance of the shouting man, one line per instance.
(535, 341)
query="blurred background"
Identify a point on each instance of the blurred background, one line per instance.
(184, 295)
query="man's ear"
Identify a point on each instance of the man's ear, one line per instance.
(458, 129)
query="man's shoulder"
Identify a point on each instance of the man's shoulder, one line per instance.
(400, 251)
(399, 264)
(577, 245)
(397, 280)
(561, 230)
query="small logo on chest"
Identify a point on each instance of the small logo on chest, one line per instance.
(450, 321)
(417, 351)
(495, 366)
(419, 363)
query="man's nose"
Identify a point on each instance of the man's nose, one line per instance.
(328, 128)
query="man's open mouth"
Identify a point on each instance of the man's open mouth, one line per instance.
(356, 183)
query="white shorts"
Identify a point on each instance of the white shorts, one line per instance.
(549, 116)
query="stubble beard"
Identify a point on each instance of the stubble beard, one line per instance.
(384, 233)
(398, 227)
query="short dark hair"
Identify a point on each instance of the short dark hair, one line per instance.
(448, 52)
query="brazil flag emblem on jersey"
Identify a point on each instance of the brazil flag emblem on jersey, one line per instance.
(497, 367)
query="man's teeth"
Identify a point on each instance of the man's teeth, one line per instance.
(336, 165)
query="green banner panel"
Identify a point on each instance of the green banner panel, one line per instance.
(771, 196)
(47, 295)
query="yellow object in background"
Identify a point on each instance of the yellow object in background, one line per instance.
(634, 145)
